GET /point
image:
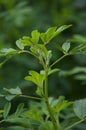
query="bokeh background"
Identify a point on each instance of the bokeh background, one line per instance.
(19, 18)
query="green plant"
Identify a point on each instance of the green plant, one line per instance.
(47, 113)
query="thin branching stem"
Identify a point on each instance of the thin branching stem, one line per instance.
(29, 52)
(30, 97)
(62, 57)
(1, 64)
(76, 123)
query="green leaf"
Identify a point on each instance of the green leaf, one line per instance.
(19, 109)
(15, 91)
(22, 121)
(8, 52)
(12, 93)
(48, 57)
(34, 114)
(61, 29)
(52, 32)
(9, 97)
(80, 108)
(53, 71)
(79, 39)
(35, 36)
(40, 51)
(50, 71)
(18, 120)
(20, 44)
(29, 78)
(46, 126)
(48, 35)
(59, 104)
(43, 50)
(66, 46)
(35, 77)
(27, 41)
(62, 106)
(6, 109)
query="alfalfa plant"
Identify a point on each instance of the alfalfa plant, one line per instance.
(48, 113)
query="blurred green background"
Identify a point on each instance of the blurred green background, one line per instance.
(19, 18)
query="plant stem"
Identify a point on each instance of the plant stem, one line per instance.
(58, 60)
(30, 97)
(51, 116)
(46, 84)
(76, 123)
(29, 52)
(1, 64)
(58, 123)
(47, 102)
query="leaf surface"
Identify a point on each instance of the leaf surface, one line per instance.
(80, 108)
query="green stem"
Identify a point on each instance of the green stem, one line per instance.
(58, 123)
(29, 52)
(76, 123)
(47, 102)
(30, 97)
(46, 84)
(51, 116)
(2, 63)
(58, 60)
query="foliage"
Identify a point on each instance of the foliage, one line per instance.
(19, 18)
(48, 113)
